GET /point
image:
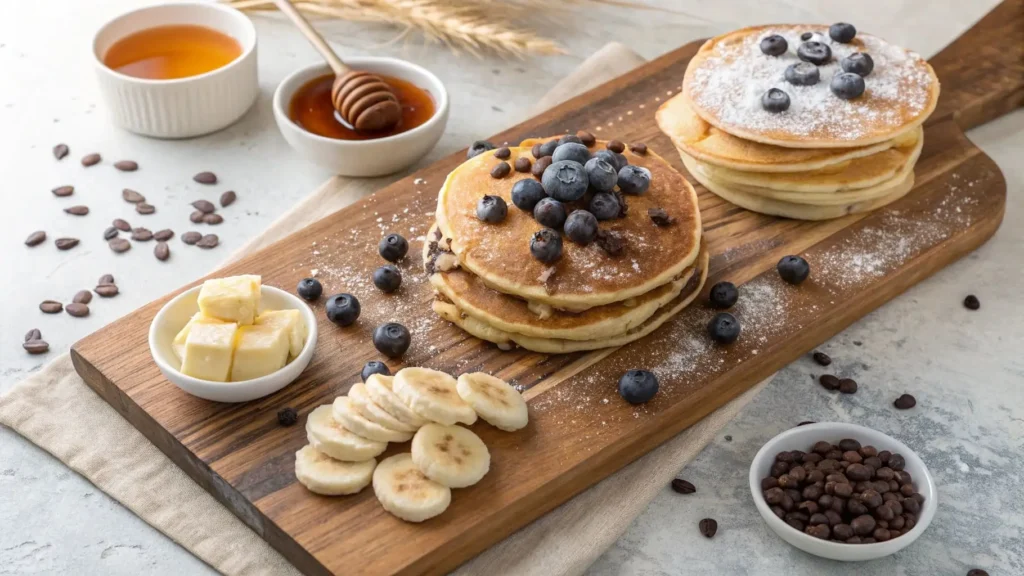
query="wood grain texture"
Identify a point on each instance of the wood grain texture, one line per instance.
(580, 431)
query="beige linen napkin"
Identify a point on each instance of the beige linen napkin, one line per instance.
(57, 411)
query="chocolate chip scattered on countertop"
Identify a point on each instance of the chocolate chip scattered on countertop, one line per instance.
(287, 416)
(36, 238)
(208, 241)
(126, 165)
(205, 178)
(65, 243)
(141, 234)
(51, 306)
(163, 235)
(848, 386)
(708, 527)
(683, 487)
(82, 297)
(131, 196)
(60, 151)
(228, 198)
(122, 225)
(106, 289)
(162, 251)
(145, 209)
(33, 334)
(204, 206)
(36, 346)
(191, 237)
(822, 359)
(212, 219)
(77, 309)
(110, 233)
(91, 159)
(63, 191)
(79, 210)
(905, 402)
(829, 382)
(196, 216)
(971, 302)
(119, 245)
(106, 279)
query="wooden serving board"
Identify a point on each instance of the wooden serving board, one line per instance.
(580, 430)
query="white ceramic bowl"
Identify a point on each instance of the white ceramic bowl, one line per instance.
(183, 107)
(176, 313)
(802, 438)
(364, 158)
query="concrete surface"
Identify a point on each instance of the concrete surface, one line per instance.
(962, 367)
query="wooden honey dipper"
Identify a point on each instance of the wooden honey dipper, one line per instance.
(363, 99)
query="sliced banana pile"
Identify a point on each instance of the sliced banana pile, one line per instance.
(420, 404)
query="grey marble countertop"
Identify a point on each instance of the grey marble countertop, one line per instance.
(965, 368)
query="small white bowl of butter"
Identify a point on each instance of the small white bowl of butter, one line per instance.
(244, 343)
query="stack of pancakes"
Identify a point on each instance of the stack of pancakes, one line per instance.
(825, 156)
(487, 282)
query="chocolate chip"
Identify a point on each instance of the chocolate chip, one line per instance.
(660, 217)
(683, 487)
(162, 251)
(132, 196)
(122, 225)
(847, 386)
(110, 233)
(36, 346)
(106, 279)
(196, 217)
(144, 209)
(586, 138)
(503, 153)
(228, 198)
(119, 245)
(106, 289)
(82, 297)
(33, 334)
(615, 146)
(611, 242)
(208, 241)
(708, 527)
(638, 148)
(205, 178)
(522, 164)
(971, 302)
(536, 150)
(540, 166)
(79, 210)
(126, 165)
(191, 237)
(501, 170)
(90, 159)
(36, 238)
(51, 306)
(77, 309)
(821, 358)
(163, 235)
(212, 219)
(141, 234)
(204, 206)
(829, 382)
(65, 243)
(60, 151)
(905, 402)
(287, 416)
(847, 444)
(63, 191)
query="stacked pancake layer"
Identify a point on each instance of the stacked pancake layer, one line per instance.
(823, 157)
(487, 282)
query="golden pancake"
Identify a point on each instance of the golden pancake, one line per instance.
(585, 276)
(505, 340)
(724, 83)
(692, 134)
(511, 314)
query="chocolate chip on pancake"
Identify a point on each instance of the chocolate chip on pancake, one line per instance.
(638, 148)
(611, 242)
(660, 217)
(586, 138)
(615, 146)
(501, 170)
(522, 164)
(540, 166)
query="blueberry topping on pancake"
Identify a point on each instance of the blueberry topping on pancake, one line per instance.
(549, 212)
(565, 180)
(581, 227)
(842, 32)
(310, 289)
(816, 53)
(374, 367)
(491, 209)
(775, 100)
(343, 309)
(393, 247)
(793, 269)
(546, 245)
(638, 386)
(803, 74)
(571, 151)
(387, 278)
(570, 138)
(723, 295)
(634, 179)
(526, 194)
(548, 148)
(807, 36)
(847, 85)
(392, 339)
(859, 63)
(615, 159)
(601, 174)
(724, 328)
(605, 206)
(774, 45)
(478, 147)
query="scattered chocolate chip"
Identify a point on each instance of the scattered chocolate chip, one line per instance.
(540, 166)
(287, 416)
(503, 153)
(90, 159)
(119, 245)
(212, 219)
(141, 234)
(122, 225)
(971, 302)
(536, 151)
(522, 164)
(132, 196)
(79, 210)
(638, 148)
(204, 206)
(60, 151)
(82, 297)
(144, 209)
(106, 279)
(196, 217)
(36, 346)
(660, 217)
(228, 198)
(208, 241)
(36, 238)
(66, 243)
(191, 237)
(205, 178)
(586, 138)
(106, 289)
(63, 191)
(51, 306)
(708, 527)
(126, 165)
(110, 233)
(615, 146)
(848, 386)
(611, 242)
(829, 382)
(77, 309)
(905, 402)
(33, 334)
(162, 251)
(822, 359)
(683, 487)
(500, 170)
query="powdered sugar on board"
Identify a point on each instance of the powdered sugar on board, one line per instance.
(729, 83)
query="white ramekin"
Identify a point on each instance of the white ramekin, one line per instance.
(364, 157)
(183, 107)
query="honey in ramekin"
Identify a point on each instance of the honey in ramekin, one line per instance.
(170, 52)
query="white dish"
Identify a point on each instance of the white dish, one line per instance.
(183, 107)
(802, 438)
(176, 313)
(364, 158)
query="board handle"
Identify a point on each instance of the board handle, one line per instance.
(982, 71)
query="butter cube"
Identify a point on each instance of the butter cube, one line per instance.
(209, 349)
(259, 350)
(233, 299)
(291, 322)
(178, 344)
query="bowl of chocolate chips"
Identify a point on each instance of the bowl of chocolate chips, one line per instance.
(842, 491)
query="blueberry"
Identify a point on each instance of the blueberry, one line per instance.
(774, 45)
(724, 295)
(847, 85)
(634, 179)
(638, 386)
(605, 206)
(526, 193)
(614, 158)
(387, 278)
(793, 269)
(724, 328)
(581, 227)
(601, 175)
(775, 100)
(310, 289)
(571, 151)
(807, 36)
(565, 181)
(548, 148)
(374, 367)
(814, 52)
(546, 245)
(478, 148)
(342, 309)
(569, 138)
(392, 339)
(393, 247)
(802, 74)
(842, 32)
(859, 63)
(491, 209)
(549, 212)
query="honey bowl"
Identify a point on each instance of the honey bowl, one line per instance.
(149, 90)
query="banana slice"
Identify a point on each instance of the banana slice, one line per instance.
(324, 475)
(369, 410)
(450, 455)
(494, 400)
(405, 492)
(379, 388)
(332, 438)
(345, 413)
(432, 395)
